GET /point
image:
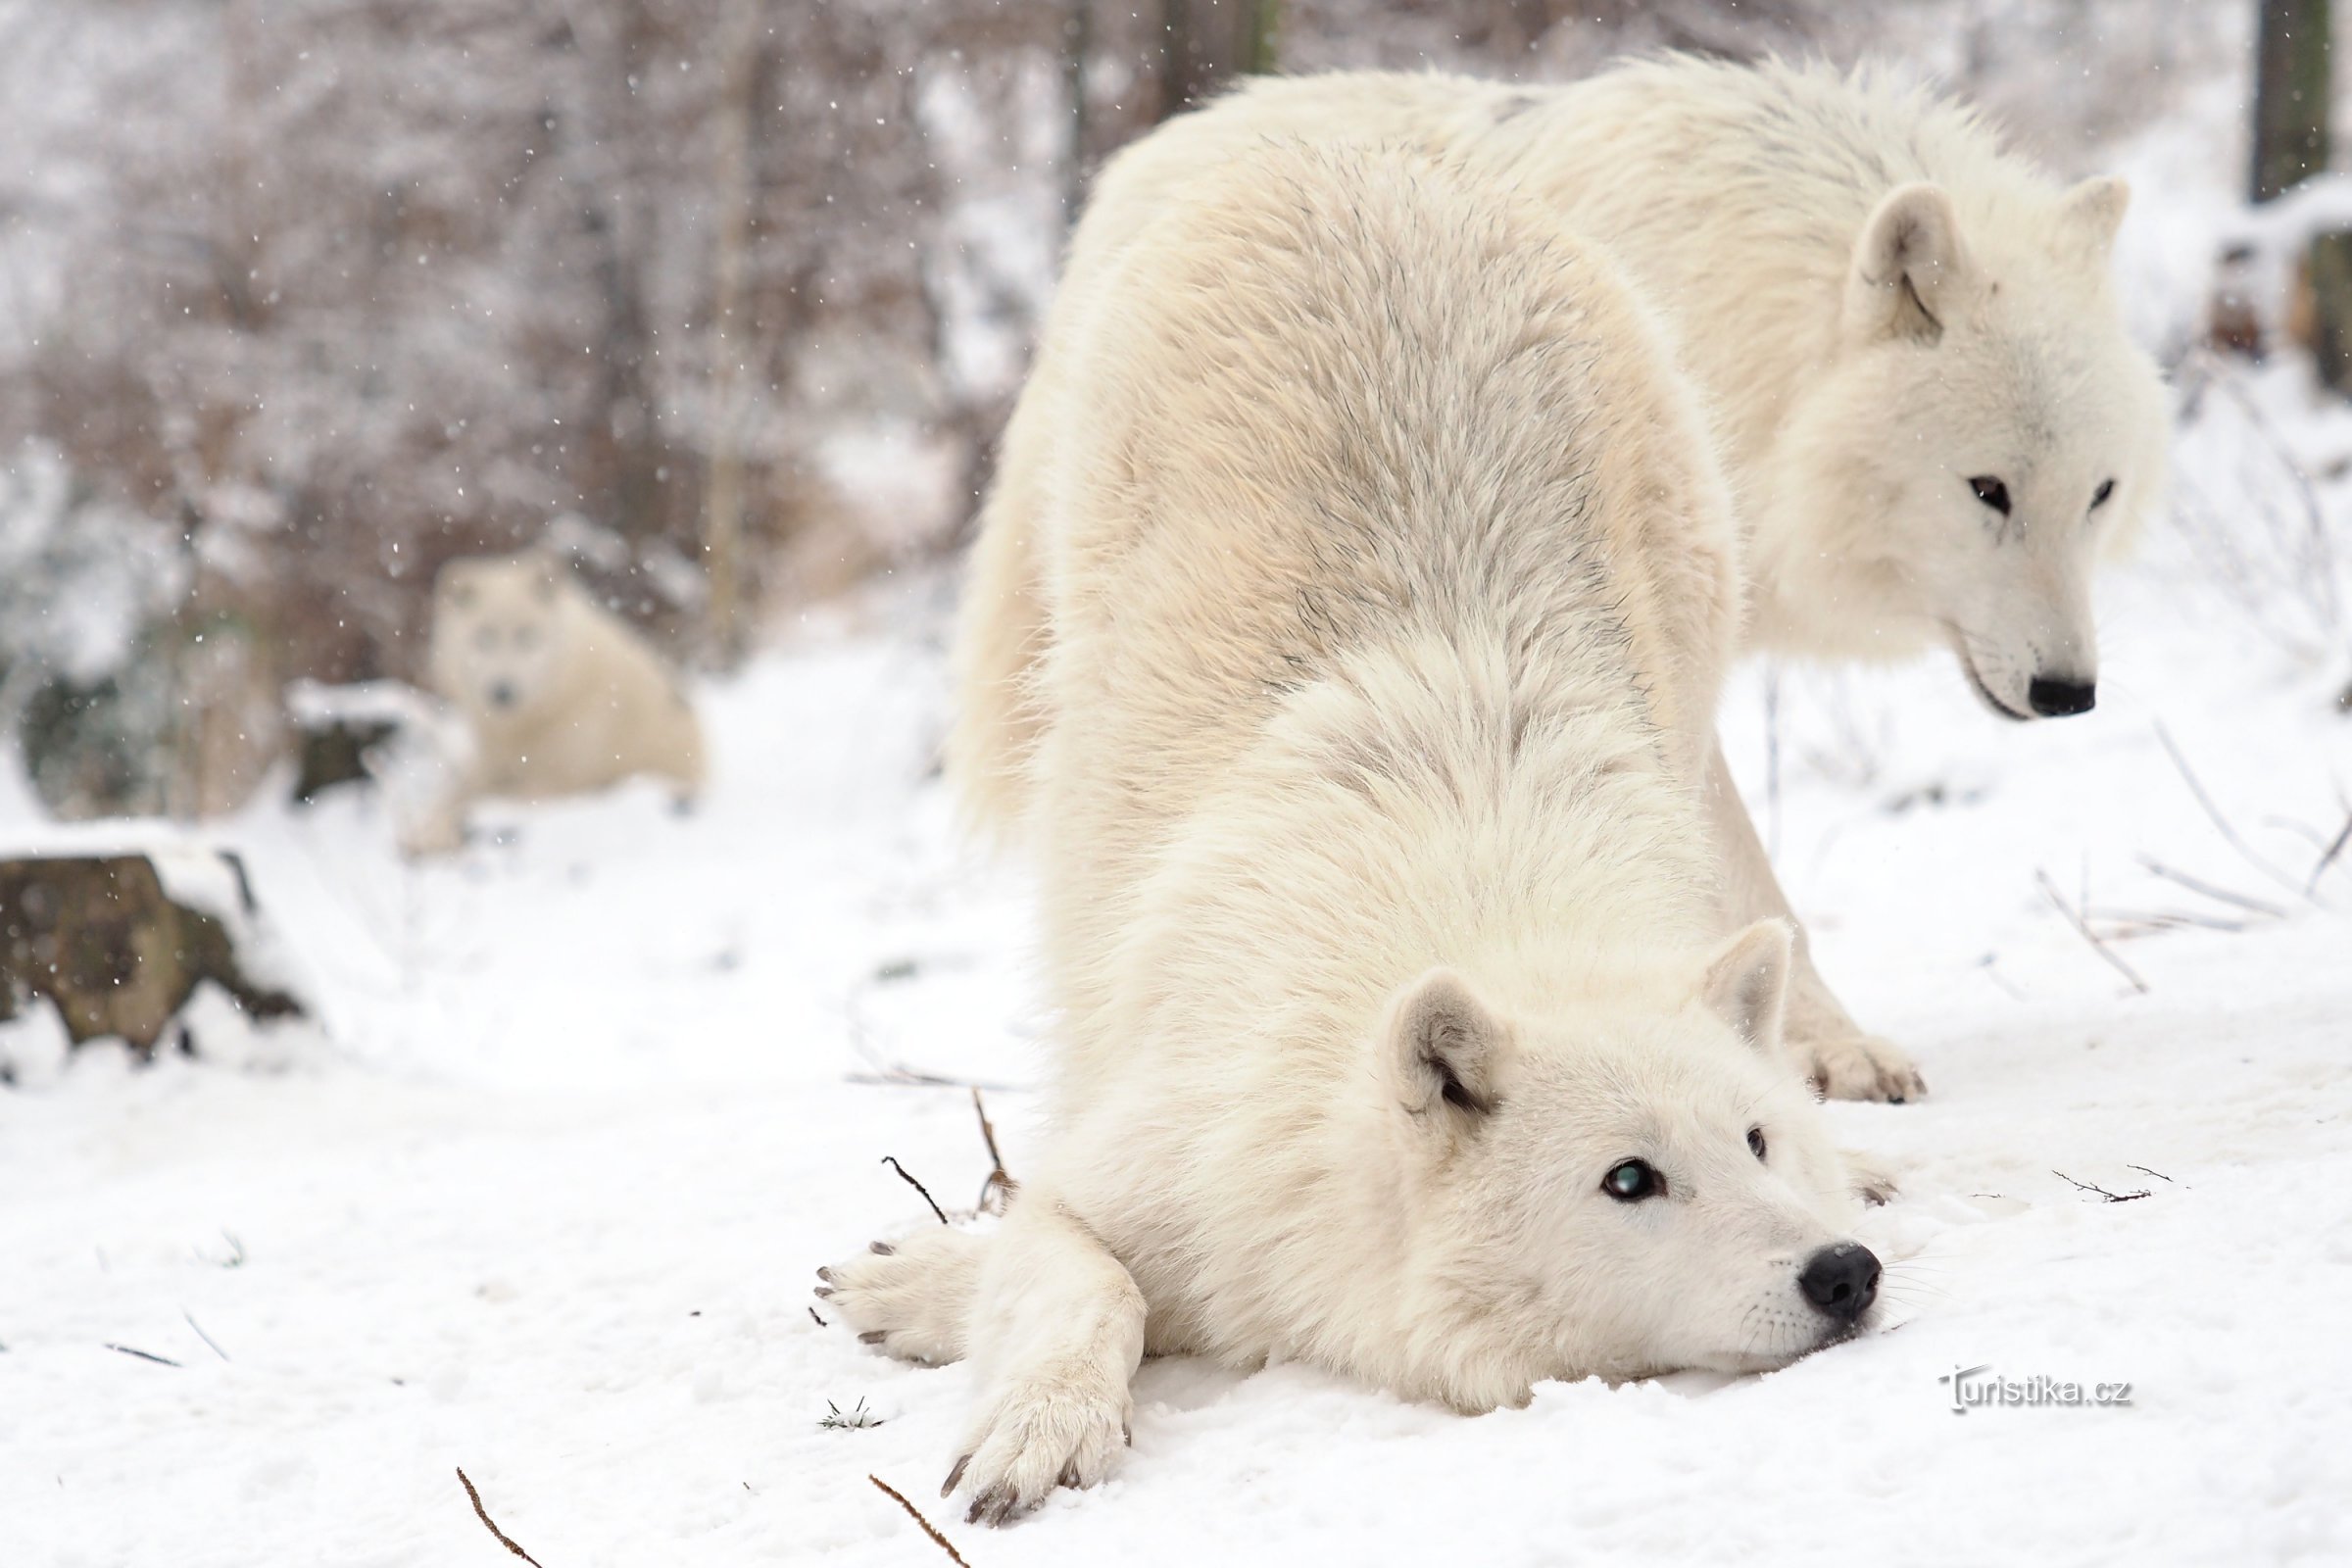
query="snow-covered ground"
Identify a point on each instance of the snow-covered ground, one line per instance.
(597, 1098)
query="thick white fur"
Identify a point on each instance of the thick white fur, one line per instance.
(1878, 305)
(1389, 579)
(559, 695)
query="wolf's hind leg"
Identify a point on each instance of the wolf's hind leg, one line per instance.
(911, 1296)
(1055, 1332)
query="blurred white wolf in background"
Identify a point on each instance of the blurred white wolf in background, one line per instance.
(1926, 404)
(1389, 581)
(560, 696)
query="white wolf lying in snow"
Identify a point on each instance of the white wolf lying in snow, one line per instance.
(1391, 580)
(1924, 398)
(560, 696)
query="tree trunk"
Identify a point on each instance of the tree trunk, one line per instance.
(1206, 45)
(2291, 83)
(2291, 88)
(722, 513)
(1078, 40)
(2329, 270)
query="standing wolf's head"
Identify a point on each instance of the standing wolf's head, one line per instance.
(498, 633)
(1630, 1185)
(1980, 426)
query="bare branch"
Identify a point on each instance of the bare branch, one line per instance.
(2218, 895)
(2220, 822)
(918, 1187)
(2088, 935)
(916, 1514)
(2093, 1187)
(2334, 850)
(2125, 924)
(1000, 1181)
(210, 1343)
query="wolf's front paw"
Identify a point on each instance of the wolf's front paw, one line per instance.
(911, 1296)
(1859, 1066)
(1038, 1432)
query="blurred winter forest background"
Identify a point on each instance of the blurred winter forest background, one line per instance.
(301, 298)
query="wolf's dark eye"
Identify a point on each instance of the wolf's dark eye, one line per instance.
(1633, 1180)
(1991, 492)
(2099, 496)
(1755, 1142)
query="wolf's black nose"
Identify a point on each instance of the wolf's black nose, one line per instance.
(2055, 698)
(1841, 1280)
(502, 695)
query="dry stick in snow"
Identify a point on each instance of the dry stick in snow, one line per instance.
(2220, 822)
(916, 1514)
(2093, 1187)
(206, 1338)
(2088, 935)
(999, 1180)
(918, 1187)
(2125, 923)
(483, 1514)
(2218, 895)
(2328, 860)
(144, 1355)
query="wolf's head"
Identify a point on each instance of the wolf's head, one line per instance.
(1637, 1189)
(1980, 426)
(497, 639)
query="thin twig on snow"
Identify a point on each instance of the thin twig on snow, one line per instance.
(918, 1187)
(2088, 935)
(999, 1180)
(2334, 850)
(483, 1514)
(2222, 823)
(2093, 1187)
(210, 1343)
(916, 1514)
(2219, 895)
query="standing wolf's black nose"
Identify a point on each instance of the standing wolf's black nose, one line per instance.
(1841, 1280)
(502, 695)
(2055, 698)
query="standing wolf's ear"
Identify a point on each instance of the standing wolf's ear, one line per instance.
(1747, 983)
(2088, 215)
(1910, 272)
(1443, 1045)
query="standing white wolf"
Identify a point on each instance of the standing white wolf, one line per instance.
(1928, 407)
(1389, 579)
(560, 696)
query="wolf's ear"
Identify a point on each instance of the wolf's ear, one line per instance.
(2090, 215)
(1910, 270)
(1443, 1045)
(1747, 983)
